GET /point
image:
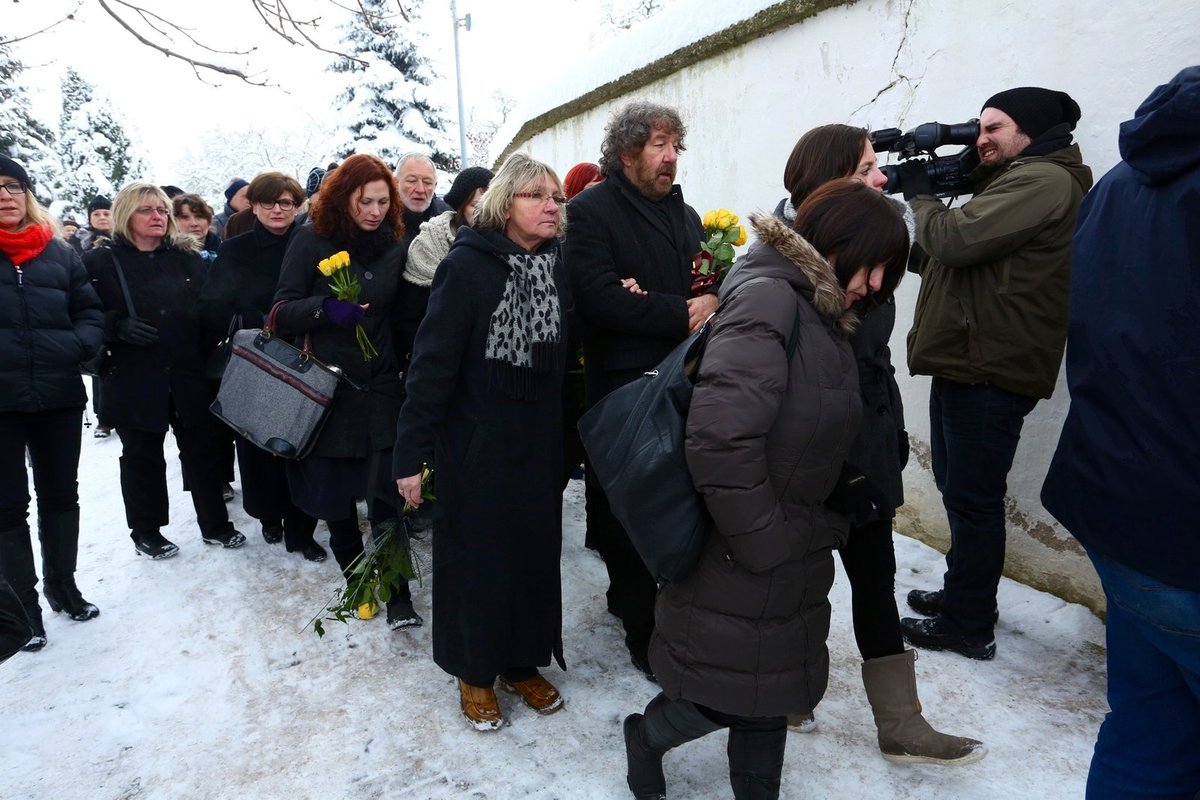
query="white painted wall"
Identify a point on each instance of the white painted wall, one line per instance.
(884, 63)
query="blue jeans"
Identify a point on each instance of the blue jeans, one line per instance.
(974, 433)
(1149, 744)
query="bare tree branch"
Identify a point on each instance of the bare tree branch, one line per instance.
(70, 16)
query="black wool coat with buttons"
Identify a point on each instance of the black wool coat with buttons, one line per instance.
(363, 417)
(148, 387)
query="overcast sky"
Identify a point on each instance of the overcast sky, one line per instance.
(512, 46)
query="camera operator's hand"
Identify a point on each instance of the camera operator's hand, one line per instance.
(856, 497)
(137, 332)
(914, 179)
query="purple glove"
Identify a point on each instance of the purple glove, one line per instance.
(342, 312)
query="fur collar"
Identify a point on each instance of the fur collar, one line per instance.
(828, 295)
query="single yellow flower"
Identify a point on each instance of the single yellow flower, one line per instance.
(710, 219)
(326, 267)
(741, 240)
(365, 611)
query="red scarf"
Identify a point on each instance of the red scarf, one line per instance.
(26, 244)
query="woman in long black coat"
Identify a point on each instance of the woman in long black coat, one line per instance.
(358, 212)
(484, 404)
(154, 377)
(241, 284)
(50, 321)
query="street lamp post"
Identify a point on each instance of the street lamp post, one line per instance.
(465, 22)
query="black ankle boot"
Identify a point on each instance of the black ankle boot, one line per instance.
(64, 595)
(756, 762)
(665, 725)
(39, 630)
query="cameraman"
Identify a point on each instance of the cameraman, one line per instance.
(990, 326)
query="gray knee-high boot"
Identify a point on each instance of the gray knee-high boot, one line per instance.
(16, 565)
(59, 532)
(904, 735)
(756, 762)
(666, 724)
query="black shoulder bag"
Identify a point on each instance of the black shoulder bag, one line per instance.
(94, 366)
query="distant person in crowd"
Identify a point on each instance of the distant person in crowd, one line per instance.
(99, 225)
(312, 189)
(69, 226)
(990, 325)
(359, 213)
(154, 377)
(483, 404)
(871, 487)
(240, 287)
(50, 321)
(580, 177)
(740, 643)
(417, 178)
(98, 229)
(235, 201)
(194, 217)
(634, 228)
(1123, 479)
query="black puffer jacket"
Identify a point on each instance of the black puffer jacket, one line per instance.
(745, 633)
(365, 408)
(145, 385)
(50, 321)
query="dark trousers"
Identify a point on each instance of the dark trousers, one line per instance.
(631, 587)
(870, 563)
(144, 476)
(52, 439)
(974, 433)
(265, 492)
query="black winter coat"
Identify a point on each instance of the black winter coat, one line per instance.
(363, 417)
(497, 600)
(143, 384)
(50, 321)
(745, 632)
(243, 280)
(611, 236)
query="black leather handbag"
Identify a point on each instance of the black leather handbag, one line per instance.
(219, 358)
(273, 394)
(634, 438)
(94, 366)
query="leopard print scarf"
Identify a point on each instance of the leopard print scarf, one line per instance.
(526, 328)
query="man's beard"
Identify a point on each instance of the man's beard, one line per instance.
(420, 210)
(647, 185)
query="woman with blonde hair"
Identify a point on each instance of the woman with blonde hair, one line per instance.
(149, 279)
(50, 321)
(484, 404)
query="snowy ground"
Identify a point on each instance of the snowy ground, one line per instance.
(200, 680)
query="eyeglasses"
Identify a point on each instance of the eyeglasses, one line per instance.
(542, 197)
(14, 188)
(148, 210)
(284, 205)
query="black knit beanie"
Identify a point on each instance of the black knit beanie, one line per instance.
(99, 202)
(234, 188)
(1036, 110)
(313, 184)
(465, 183)
(11, 169)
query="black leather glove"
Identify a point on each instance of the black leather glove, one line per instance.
(136, 331)
(902, 445)
(856, 497)
(913, 178)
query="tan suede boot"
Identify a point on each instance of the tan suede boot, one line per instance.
(904, 735)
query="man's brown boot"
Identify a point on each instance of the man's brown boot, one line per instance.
(537, 692)
(480, 707)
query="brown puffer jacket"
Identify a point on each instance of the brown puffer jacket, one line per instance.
(745, 633)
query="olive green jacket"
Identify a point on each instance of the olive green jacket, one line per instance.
(993, 301)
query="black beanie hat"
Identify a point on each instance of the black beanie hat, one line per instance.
(234, 188)
(313, 185)
(11, 169)
(465, 183)
(99, 202)
(1036, 110)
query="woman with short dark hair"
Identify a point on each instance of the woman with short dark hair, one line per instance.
(50, 321)
(358, 212)
(194, 217)
(740, 642)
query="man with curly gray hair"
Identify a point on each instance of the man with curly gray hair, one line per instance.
(629, 253)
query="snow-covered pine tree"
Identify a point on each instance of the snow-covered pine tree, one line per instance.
(387, 108)
(96, 154)
(22, 136)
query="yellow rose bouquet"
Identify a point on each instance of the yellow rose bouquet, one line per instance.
(722, 233)
(346, 287)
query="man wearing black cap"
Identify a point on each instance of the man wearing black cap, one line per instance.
(99, 224)
(235, 201)
(990, 326)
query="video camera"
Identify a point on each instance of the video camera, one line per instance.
(948, 174)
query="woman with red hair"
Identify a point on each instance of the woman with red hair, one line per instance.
(580, 177)
(358, 212)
